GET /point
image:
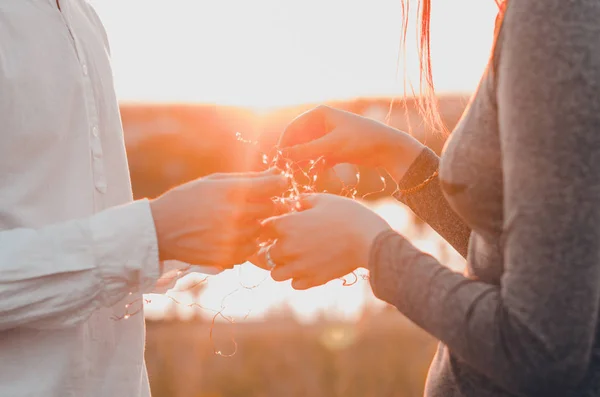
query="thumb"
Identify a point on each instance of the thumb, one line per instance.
(323, 146)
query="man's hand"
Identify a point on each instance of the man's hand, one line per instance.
(215, 220)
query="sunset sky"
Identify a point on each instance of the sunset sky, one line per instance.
(264, 53)
(269, 53)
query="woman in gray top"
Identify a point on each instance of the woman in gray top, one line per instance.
(517, 191)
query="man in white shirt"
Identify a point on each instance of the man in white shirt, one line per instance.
(74, 246)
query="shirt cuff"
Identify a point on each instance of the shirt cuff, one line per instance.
(126, 250)
(424, 166)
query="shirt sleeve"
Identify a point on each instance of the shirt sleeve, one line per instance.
(56, 276)
(534, 333)
(431, 205)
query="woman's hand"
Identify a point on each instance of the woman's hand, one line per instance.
(344, 137)
(330, 237)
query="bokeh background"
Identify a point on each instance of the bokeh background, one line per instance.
(190, 75)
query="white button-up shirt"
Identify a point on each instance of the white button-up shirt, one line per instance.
(74, 248)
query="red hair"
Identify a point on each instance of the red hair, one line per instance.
(427, 101)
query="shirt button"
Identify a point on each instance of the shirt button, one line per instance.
(85, 69)
(95, 131)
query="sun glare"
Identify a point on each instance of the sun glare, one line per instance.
(271, 53)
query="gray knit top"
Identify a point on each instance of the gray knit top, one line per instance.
(519, 196)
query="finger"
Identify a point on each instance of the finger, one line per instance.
(259, 188)
(324, 146)
(242, 252)
(306, 127)
(259, 260)
(255, 212)
(250, 174)
(308, 200)
(305, 283)
(283, 251)
(246, 251)
(282, 206)
(292, 269)
(277, 227)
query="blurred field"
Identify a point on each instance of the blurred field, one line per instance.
(380, 355)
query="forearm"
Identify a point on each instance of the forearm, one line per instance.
(429, 203)
(473, 319)
(56, 276)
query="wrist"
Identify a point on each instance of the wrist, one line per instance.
(401, 155)
(368, 236)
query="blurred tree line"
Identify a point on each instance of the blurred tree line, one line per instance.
(168, 144)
